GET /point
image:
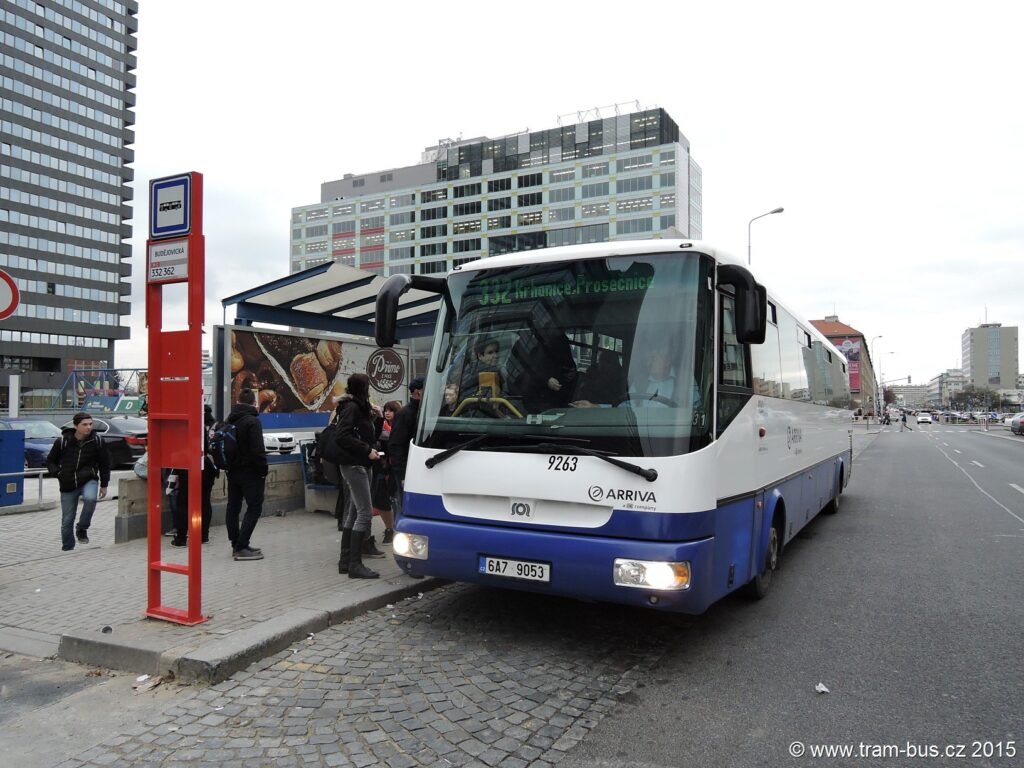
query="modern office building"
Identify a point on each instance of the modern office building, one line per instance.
(989, 356)
(66, 111)
(910, 395)
(609, 178)
(944, 388)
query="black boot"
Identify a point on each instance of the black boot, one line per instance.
(370, 547)
(346, 548)
(356, 569)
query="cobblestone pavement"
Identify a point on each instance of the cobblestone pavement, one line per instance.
(462, 676)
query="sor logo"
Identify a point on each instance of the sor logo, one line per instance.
(596, 492)
(385, 370)
(520, 509)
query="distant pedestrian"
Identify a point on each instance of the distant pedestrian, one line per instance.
(247, 476)
(903, 423)
(402, 433)
(82, 465)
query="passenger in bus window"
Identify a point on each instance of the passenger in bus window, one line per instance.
(486, 352)
(550, 370)
(604, 381)
(451, 399)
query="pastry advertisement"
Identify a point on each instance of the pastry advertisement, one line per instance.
(303, 374)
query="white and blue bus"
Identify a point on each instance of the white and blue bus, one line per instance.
(636, 422)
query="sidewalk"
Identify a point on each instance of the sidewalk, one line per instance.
(58, 603)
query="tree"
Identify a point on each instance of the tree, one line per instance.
(888, 396)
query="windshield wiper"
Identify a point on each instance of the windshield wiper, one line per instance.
(436, 459)
(648, 474)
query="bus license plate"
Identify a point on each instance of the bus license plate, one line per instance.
(515, 569)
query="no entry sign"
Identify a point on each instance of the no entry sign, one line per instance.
(9, 295)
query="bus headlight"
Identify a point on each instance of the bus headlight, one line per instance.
(651, 574)
(410, 545)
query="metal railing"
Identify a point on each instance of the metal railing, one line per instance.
(29, 473)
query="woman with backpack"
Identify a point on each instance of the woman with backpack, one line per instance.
(357, 433)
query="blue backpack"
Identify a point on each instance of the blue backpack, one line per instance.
(224, 445)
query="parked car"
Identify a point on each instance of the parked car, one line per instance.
(279, 442)
(39, 437)
(924, 418)
(124, 436)
(1017, 424)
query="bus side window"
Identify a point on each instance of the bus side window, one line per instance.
(733, 372)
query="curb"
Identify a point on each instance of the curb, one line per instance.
(20, 509)
(218, 659)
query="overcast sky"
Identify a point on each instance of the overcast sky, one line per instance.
(891, 132)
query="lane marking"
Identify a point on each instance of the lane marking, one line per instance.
(946, 444)
(958, 450)
(1016, 487)
(976, 463)
(996, 501)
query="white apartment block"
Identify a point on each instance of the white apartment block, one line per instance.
(623, 177)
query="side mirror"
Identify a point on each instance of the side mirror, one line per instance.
(751, 303)
(385, 322)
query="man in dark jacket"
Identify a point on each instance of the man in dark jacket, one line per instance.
(246, 476)
(402, 432)
(80, 461)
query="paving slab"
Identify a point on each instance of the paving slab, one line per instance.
(59, 603)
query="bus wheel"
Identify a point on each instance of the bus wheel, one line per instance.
(833, 506)
(761, 584)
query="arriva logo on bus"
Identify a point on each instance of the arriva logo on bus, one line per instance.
(597, 493)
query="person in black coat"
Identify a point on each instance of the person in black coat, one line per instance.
(82, 465)
(357, 435)
(247, 477)
(402, 433)
(210, 474)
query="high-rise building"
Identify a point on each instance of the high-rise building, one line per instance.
(66, 112)
(989, 356)
(612, 178)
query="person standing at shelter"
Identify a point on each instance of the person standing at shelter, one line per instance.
(247, 477)
(358, 432)
(209, 475)
(402, 432)
(82, 465)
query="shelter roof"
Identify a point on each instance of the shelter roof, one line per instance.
(332, 297)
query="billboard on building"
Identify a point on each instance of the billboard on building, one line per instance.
(299, 378)
(851, 348)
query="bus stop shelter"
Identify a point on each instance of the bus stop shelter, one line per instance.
(331, 297)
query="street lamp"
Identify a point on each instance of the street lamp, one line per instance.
(777, 210)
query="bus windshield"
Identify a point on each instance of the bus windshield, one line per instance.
(611, 354)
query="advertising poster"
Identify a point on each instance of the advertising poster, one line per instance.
(299, 378)
(851, 348)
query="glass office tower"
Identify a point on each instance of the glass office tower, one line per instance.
(66, 114)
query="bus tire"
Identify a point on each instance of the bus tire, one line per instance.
(761, 584)
(833, 506)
